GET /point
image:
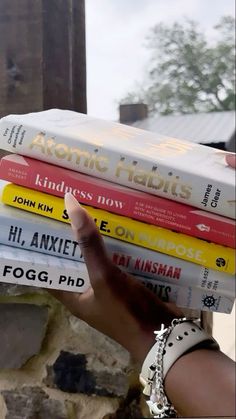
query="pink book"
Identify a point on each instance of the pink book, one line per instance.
(118, 199)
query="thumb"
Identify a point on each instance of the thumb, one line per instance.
(89, 239)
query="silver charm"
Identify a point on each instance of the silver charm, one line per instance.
(156, 408)
(159, 410)
(160, 333)
(158, 403)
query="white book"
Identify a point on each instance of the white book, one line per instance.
(25, 267)
(188, 297)
(172, 168)
(39, 234)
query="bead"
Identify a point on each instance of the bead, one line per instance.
(153, 398)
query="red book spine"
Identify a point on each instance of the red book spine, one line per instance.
(118, 199)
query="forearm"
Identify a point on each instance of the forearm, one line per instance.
(202, 383)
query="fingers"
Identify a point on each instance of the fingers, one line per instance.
(89, 239)
(231, 160)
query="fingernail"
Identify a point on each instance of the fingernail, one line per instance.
(231, 160)
(73, 208)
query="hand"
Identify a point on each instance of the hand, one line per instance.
(122, 308)
(116, 303)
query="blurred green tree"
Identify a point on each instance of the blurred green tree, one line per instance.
(187, 73)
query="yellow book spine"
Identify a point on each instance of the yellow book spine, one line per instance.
(179, 245)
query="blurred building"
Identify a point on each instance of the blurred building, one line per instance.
(215, 129)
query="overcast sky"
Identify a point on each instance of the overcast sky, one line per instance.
(116, 53)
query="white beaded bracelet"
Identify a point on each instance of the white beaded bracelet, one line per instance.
(171, 343)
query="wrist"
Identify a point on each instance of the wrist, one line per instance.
(140, 345)
(172, 342)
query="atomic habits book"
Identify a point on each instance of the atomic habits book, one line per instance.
(118, 199)
(179, 245)
(24, 267)
(164, 166)
(40, 234)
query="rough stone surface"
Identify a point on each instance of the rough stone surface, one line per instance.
(96, 408)
(22, 329)
(15, 290)
(132, 407)
(103, 351)
(109, 383)
(32, 403)
(70, 374)
(9, 289)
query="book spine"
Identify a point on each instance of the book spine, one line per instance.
(188, 297)
(42, 235)
(109, 196)
(152, 237)
(136, 168)
(25, 268)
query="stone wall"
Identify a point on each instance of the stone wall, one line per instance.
(54, 366)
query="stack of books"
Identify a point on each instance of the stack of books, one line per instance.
(166, 207)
